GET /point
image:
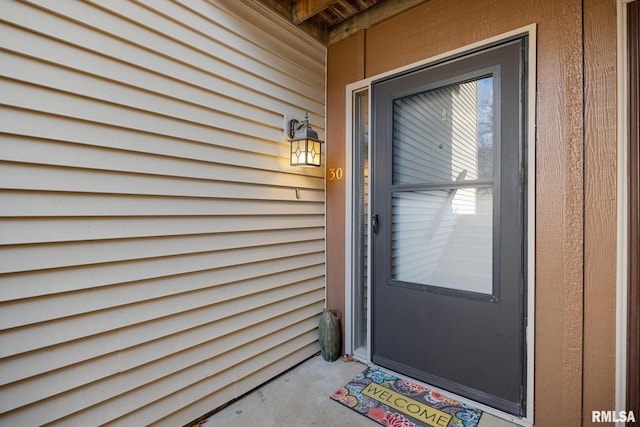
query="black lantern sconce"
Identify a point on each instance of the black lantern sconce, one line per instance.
(305, 144)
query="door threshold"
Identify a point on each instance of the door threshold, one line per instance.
(489, 410)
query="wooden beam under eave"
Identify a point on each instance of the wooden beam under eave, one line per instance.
(305, 9)
(279, 9)
(378, 13)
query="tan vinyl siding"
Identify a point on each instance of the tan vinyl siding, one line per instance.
(154, 259)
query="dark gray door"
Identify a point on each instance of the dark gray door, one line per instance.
(449, 225)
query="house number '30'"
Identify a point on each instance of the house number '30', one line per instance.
(335, 173)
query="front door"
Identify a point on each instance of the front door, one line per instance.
(448, 224)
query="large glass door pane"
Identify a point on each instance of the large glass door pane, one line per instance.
(442, 187)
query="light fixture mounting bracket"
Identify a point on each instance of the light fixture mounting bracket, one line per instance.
(293, 124)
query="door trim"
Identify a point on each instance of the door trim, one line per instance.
(350, 89)
(633, 350)
(623, 207)
(628, 275)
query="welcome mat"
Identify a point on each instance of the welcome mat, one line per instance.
(395, 402)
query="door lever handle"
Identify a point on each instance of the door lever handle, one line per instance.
(374, 224)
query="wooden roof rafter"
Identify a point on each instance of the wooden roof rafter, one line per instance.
(305, 9)
(330, 21)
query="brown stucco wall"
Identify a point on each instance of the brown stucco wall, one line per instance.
(575, 165)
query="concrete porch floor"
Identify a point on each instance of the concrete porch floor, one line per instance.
(301, 397)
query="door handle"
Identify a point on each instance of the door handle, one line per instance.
(374, 224)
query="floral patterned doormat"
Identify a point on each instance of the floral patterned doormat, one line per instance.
(395, 402)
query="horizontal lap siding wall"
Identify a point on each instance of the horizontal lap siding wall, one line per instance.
(154, 259)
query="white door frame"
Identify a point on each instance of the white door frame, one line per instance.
(364, 355)
(622, 207)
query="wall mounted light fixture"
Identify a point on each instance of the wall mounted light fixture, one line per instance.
(305, 144)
